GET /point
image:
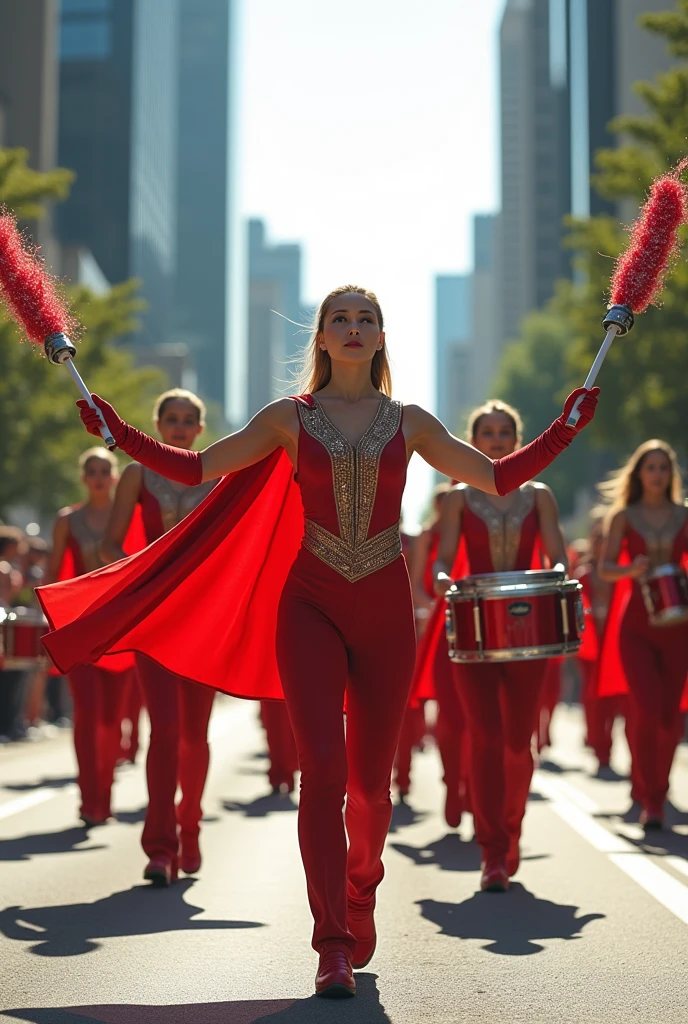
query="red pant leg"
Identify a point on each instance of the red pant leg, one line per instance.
(549, 698)
(500, 703)
(449, 730)
(97, 697)
(312, 662)
(412, 729)
(159, 838)
(520, 695)
(655, 663)
(280, 740)
(195, 706)
(133, 704)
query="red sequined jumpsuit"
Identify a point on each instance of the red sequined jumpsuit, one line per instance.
(178, 753)
(655, 662)
(345, 637)
(500, 700)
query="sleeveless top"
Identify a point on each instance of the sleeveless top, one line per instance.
(351, 494)
(84, 543)
(666, 545)
(499, 541)
(162, 506)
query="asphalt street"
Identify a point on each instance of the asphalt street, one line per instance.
(593, 929)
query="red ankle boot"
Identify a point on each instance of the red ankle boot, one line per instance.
(362, 925)
(189, 855)
(494, 877)
(335, 978)
(160, 871)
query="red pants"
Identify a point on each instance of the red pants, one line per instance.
(131, 713)
(412, 733)
(549, 698)
(339, 641)
(97, 696)
(655, 662)
(281, 746)
(500, 703)
(179, 713)
(451, 725)
(600, 712)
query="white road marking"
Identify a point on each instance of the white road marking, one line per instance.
(39, 796)
(667, 890)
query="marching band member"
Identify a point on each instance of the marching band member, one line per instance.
(420, 562)
(179, 710)
(500, 700)
(279, 736)
(320, 611)
(97, 691)
(646, 527)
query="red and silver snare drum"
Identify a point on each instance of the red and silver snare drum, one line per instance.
(665, 590)
(509, 616)
(21, 630)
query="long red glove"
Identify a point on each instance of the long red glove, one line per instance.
(524, 464)
(173, 463)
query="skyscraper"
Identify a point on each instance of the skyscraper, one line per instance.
(274, 284)
(535, 161)
(485, 326)
(453, 350)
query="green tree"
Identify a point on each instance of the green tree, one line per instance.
(41, 435)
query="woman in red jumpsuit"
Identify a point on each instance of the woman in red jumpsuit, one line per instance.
(178, 752)
(500, 700)
(647, 527)
(344, 622)
(97, 693)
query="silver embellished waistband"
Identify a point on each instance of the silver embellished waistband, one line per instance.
(352, 561)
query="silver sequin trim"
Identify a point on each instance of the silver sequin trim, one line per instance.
(174, 505)
(504, 528)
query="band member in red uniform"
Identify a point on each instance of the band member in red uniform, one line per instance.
(420, 562)
(284, 761)
(500, 701)
(97, 693)
(179, 710)
(344, 620)
(600, 712)
(646, 527)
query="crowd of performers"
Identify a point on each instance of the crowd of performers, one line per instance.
(343, 590)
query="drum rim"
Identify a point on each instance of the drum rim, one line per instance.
(672, 615)
(547, 576)
(533, 653)
(503, 593)
(23, 615)
(668, 569)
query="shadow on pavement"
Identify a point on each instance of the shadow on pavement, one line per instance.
(403, 816)
(510, 922)
(364, 1009)
(448, 853)
(71, 929)
(53, 783)
(42, 843)
(271, 803)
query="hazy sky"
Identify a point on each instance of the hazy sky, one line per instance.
(369, 134)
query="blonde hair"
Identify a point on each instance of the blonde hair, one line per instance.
(104, 454)
(623, 487)
(181, 395)
(316, 366)
(490, 406)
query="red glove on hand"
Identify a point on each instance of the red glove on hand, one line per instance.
(174, 463)
(524, 464)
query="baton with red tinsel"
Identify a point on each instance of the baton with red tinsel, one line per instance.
(30, 296)
(639, 273)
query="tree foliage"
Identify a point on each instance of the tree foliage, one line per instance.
(644, 380)
(41, 435)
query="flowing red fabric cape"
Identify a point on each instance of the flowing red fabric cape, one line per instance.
(202, 599)
(611, 678)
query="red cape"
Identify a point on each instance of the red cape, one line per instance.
(202, 599)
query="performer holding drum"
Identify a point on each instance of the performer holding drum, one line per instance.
(646, 541)
(179, 710)
(97, 692)
(498, 535)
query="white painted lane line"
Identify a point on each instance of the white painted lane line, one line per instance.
(678, 864)
(22, 803)
(667, 890)
(560, 787)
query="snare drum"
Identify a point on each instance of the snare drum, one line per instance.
(21, 630)
(510, 616)
(665, 591)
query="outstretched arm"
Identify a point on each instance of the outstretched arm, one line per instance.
(433, 442)
(273, 427)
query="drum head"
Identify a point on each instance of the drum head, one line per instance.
(484, 584)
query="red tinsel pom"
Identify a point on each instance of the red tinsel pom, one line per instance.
(27, 288)
(637, 280)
